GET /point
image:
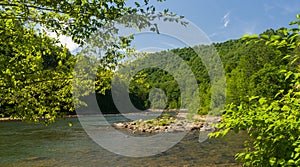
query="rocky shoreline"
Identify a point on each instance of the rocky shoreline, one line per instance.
(170, 124)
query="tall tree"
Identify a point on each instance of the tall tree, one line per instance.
(36, 74)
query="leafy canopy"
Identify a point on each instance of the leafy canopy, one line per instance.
(273, 124)
(80, 19)
(35, 74)
(36, 71)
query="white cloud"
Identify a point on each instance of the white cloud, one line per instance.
(68, 42)
(226, 19)
(64, 40)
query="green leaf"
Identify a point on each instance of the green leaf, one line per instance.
(264, 36)
(262, 101)
(275, 37)
(253, 97)
(288, 74)
(279, 93)
(137, 4)
(272, 161)
(247, 156)
(291, 162)
(286, 57)
(247, 37)
(285, 108)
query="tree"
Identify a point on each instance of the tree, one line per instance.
(36, 74)
(246, 78)
(83, 20)
(273, 124)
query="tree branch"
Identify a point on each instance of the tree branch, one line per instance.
(35, 7)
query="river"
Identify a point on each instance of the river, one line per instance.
(27, 144)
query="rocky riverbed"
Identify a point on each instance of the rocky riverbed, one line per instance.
(169, 123)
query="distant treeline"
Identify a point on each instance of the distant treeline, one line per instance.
(251, 68)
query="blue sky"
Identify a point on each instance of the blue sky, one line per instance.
(222, 20)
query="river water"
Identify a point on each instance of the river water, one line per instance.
(25, 144)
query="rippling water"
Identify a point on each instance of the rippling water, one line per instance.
(24, 144)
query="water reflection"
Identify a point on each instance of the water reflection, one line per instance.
(24, 144)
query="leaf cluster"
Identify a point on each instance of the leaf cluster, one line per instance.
(273, 123)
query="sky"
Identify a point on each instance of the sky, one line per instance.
(219, 20)
(222, 20)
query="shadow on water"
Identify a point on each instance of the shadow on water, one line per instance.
(25, 144)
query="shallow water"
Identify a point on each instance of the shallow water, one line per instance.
(24, 144)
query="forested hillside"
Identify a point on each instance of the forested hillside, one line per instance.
(252, 69)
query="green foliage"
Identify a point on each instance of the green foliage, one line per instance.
(81, 19)
(163, 120)
(250, 76)
(272, 122)
(252, 69)
(149, 122)
(36, 72)
(273, 126)
(163, 124)
(156, 79)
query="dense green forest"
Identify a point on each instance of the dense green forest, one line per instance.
(252, 69)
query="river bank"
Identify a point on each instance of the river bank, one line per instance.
(10, 119)
(167, 123)
(172, 121)
(20, 119)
